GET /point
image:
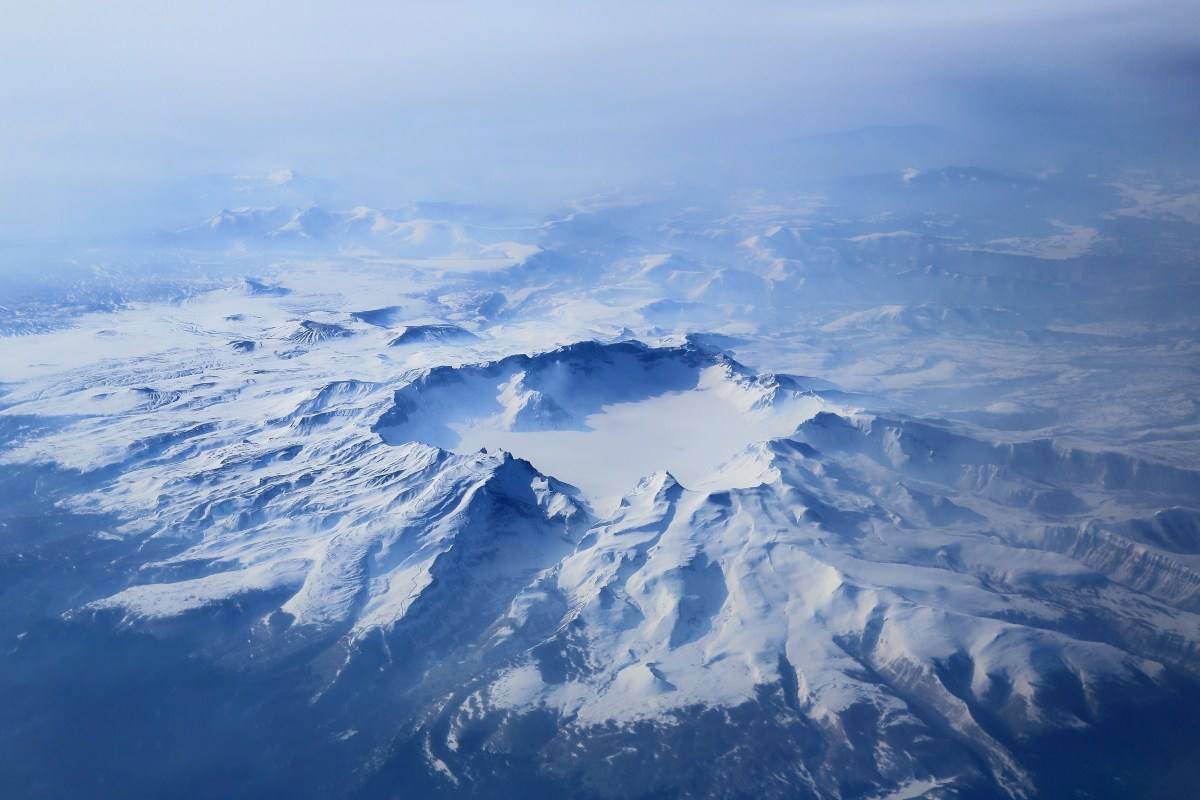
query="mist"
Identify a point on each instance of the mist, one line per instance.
(132, 116)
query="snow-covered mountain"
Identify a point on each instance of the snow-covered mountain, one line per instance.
(859, 585)
(580, 522)
(399, 232)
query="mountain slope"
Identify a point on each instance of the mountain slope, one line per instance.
(894, 604)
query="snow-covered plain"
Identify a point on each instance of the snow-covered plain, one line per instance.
(641, 499)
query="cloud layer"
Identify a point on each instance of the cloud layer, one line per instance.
(116, 111)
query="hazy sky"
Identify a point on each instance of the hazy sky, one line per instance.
(123, 114)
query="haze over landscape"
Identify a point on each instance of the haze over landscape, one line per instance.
(772, 400)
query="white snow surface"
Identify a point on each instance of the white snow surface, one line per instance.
(635, 523)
